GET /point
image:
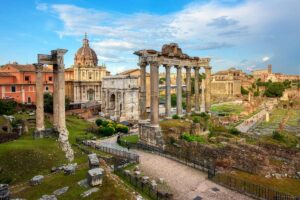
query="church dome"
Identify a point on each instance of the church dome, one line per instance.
(85, 55)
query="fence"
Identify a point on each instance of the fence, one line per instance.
(249, 189)
(118, 152)
(144, 186)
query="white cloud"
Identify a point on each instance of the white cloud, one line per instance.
(266, 58)
(259, 25)
(42, 6)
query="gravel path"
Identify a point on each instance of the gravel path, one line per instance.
(185, 182)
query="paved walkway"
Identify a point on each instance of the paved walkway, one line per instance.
(185, 182)
(246, 125)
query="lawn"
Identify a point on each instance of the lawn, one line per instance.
(228, 108)
(286, 185)
(133, 139)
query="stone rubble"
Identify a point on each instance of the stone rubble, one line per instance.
(89, 192)
(37, 180)
(61, 191)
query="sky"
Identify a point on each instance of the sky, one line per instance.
(245, 34)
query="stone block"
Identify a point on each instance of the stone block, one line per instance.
(94, 176)
(93, 161)
(48, 197)
(61, 191)
(37, 180)
(70, 169)
(89, 192)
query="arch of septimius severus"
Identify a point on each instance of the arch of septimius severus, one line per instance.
(59, 120)
(170, 56)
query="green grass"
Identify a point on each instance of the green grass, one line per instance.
(228, 108)
(133, 139)
(286, 185)
(193, 138)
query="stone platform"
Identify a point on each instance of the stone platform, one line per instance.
(150, 134)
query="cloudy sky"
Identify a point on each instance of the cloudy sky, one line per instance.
(234, 33)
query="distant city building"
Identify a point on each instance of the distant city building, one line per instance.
(17, 82)
(84, 79)
(137, 72)
(120, 97)
(266, 74)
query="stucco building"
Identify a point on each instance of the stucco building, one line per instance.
(84, 79)
(18, 82)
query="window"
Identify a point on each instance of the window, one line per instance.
(50, 78)
(13, 88)
(90, 75)
(27, 78)
(47, 88)
(28, 100)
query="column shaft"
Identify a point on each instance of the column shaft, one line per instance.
(196, 89)
(55, 96)
(154, 93)
(202, 96)
(179, 91)
(39, 98)
(168, 91)
(188, 90)
(207, 86)
(142, 102)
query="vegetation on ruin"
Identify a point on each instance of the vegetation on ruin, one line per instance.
(108, 128)
(193, 138)
(7, 107)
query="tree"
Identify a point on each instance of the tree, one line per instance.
(244, 91)
(274, 89)
(48, 103)
(162, 80)
(7, 107)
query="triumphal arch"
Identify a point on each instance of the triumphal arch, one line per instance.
(170, 56)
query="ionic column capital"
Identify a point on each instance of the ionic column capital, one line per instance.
(167, 66)
(154, 63)
(196, 67)
(188, 68)
(142, 64)
(178, 66)
(38, 67)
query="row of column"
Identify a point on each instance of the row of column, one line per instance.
(154, 85)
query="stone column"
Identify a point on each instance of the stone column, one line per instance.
(168, 92)
(207, 88)
(143, 95)
(179, 90)
(55, 96)
(202, 109)
(39, 98)
(154, 93)
(60, 81)
(196, 89)
(188, 90)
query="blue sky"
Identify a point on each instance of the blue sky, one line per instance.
(246, 34)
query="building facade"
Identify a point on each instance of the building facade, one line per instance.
(84, 79)
(120, 97)
(17, 82)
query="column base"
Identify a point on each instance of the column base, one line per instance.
(150, 134)
(46, 133)
(64, 144)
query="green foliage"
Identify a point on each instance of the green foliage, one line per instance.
(173, 100)
(107, 131)
(7, 107)
(48, 102)
(99, 122)
(122, 128)
(256, 93)
(175, 117)
(278, 136)
(105, 123)
(190, 138)
(162, 80)
(244, 91)
(196, 119)
(234, 131)
(274, 89)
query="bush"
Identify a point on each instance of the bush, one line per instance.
(175, 117)
(234, 131)
(191, 138)
(99, 122)
(107, 131)
(196, 119)
(244, 91)
(122, 128)
(278, 136)
(105, 123)
(7, 107)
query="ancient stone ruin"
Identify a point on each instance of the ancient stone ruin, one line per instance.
(59, 119)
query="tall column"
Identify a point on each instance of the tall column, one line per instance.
(60, 81)
(179, 91)
(154, 92)
(188, 90)
(207, 90)
(202, 109)
(55, 96)
(39, 98)
(168, 91)
(143, 96)
(196, 88)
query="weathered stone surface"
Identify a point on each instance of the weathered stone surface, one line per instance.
(4, 192)
(70, 169)
(36, 180)
(61, 191)
(94, 176)
(89, 192)
(83, 183)
(48, 197)
(93, 161)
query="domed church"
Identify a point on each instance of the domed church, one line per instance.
(84, 78)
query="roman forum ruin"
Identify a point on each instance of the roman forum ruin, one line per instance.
(170, 56)
(59, 120)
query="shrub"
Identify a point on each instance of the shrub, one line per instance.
(7, 107)
(107, 131)
(244, 91)
(196, 119)
(105, 123)
(190, 138)
(122, 128)
(277, 136)
(99, 122)
(175, 117)
(234, 131)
